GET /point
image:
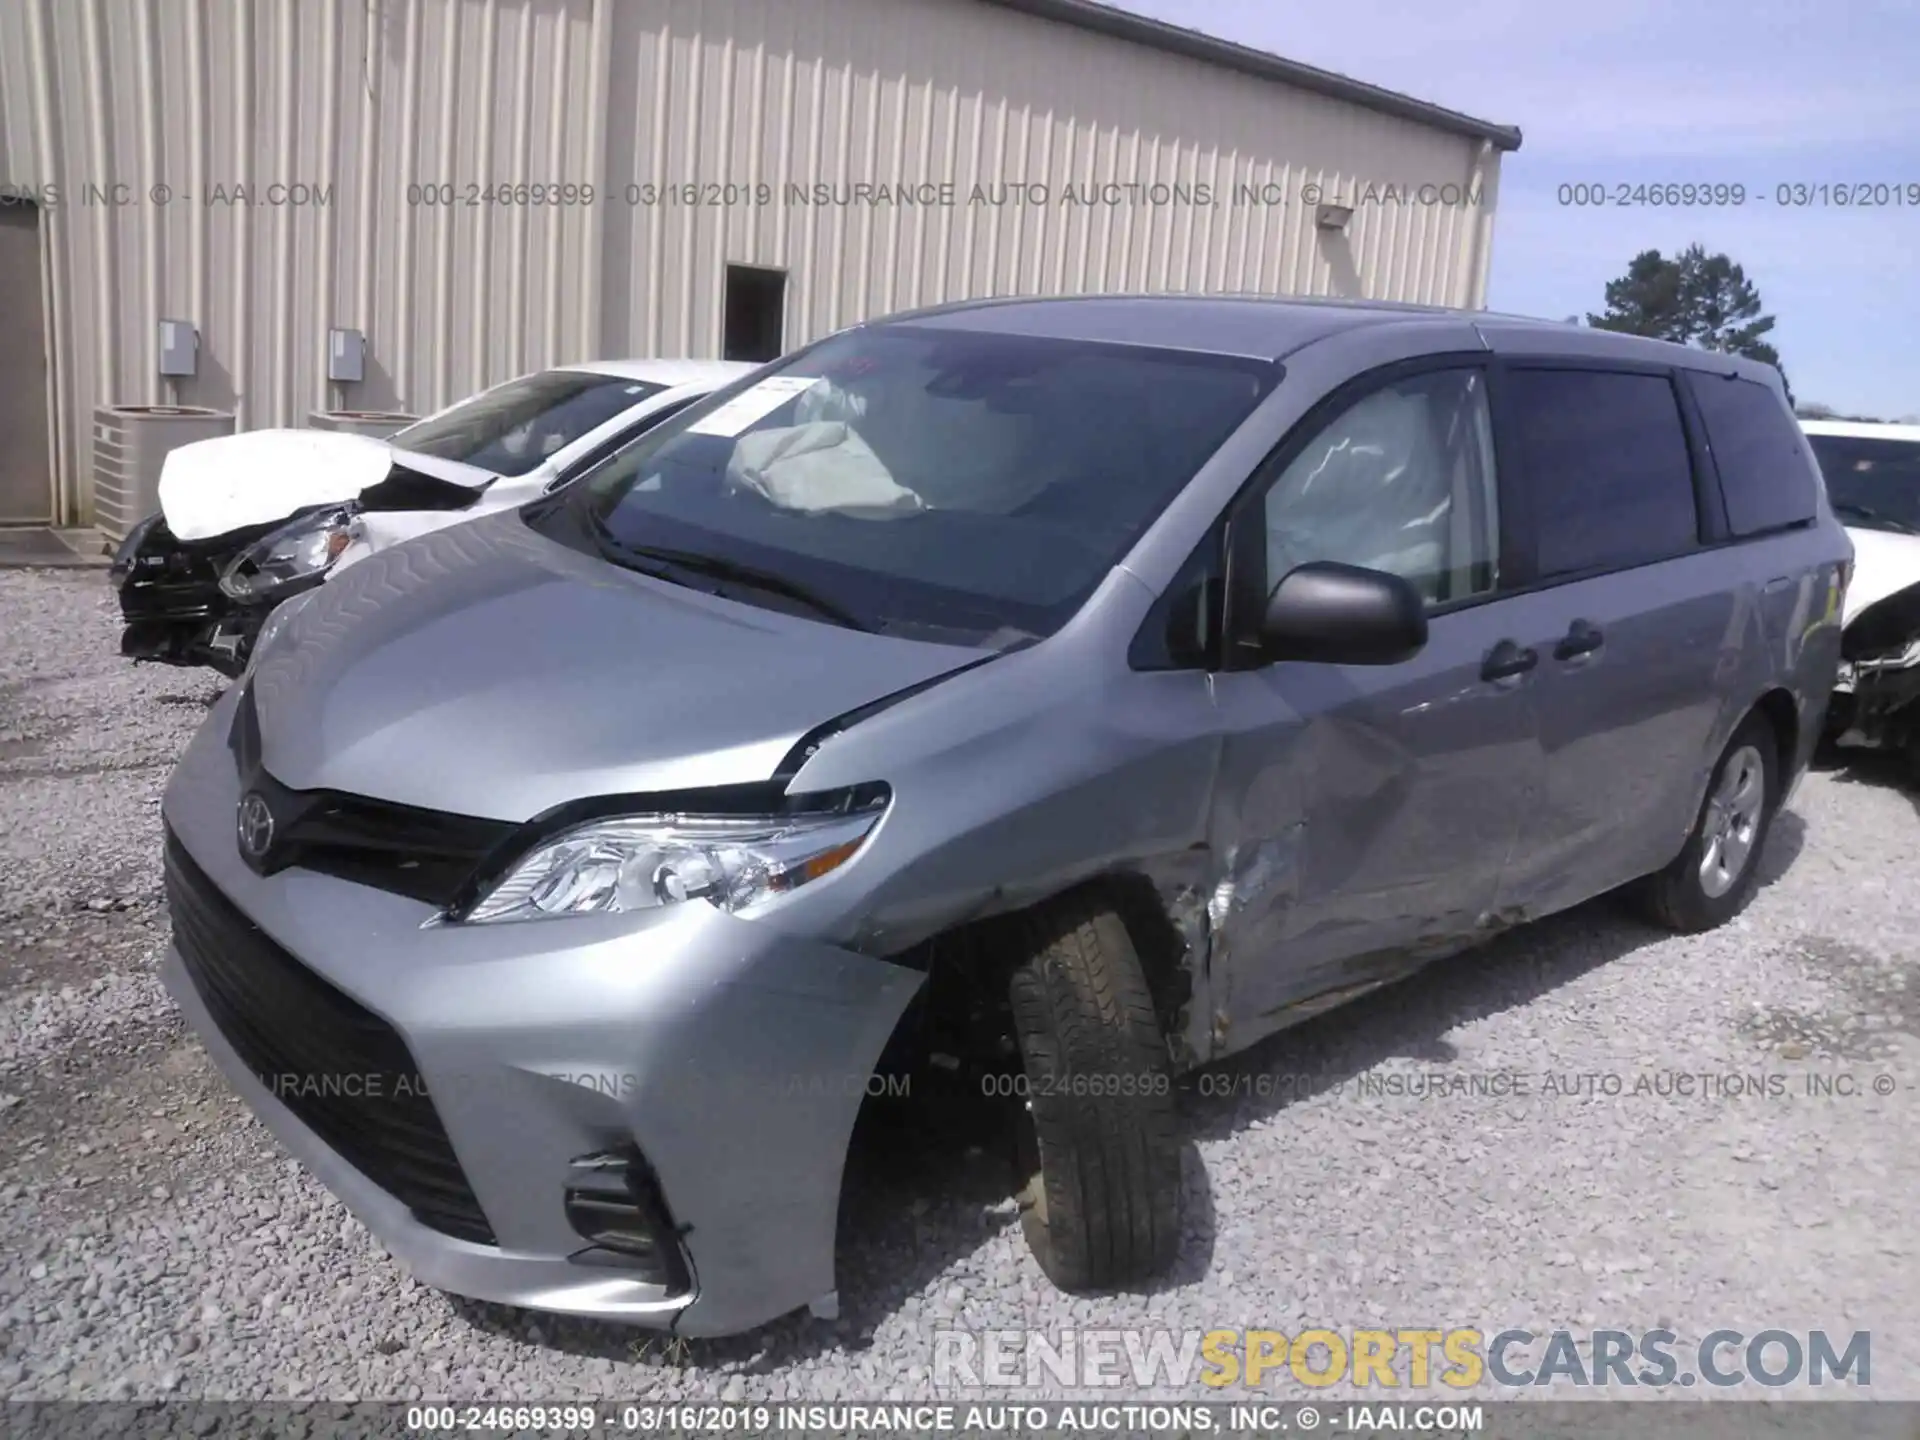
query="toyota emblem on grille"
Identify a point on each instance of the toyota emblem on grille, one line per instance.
(254, 823)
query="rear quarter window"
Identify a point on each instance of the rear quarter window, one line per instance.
(1606, 467)
(1765, 477)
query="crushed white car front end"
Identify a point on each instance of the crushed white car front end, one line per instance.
(247, 521)
(1876, 701)
(1872, 474)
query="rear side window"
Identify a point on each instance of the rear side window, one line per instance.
(1606, 464)
(1764, 475)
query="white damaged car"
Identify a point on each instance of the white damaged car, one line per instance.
(247, 520)
(1873, 481)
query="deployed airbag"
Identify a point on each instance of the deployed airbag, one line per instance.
(822, 466)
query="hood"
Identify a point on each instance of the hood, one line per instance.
(212, 487)
(485, 670)
(1883, 563)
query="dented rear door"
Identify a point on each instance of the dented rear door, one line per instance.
(1364, 816)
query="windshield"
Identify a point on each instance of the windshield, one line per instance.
(1871, 483)
(515, 427)
(921, 479)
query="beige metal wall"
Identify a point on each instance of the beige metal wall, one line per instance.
(165, 107)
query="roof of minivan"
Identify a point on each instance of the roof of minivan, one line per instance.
(1267, 327)
(1863, 429)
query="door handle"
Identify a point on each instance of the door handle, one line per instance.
(1582, 638)
(1508, 659)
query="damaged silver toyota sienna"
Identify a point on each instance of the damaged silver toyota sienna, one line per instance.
(1073, 691)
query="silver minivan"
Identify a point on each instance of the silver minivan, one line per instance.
(1074, 692)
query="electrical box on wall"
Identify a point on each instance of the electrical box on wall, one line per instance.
(179, 347)
(346, 356)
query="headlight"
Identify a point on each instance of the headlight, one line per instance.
(642, 862)
(296, 551)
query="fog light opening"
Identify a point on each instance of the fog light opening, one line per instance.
(613, 1202)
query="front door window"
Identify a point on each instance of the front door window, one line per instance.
(1401, 481)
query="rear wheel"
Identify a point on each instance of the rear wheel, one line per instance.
(1716, 872)
(1101, 1204)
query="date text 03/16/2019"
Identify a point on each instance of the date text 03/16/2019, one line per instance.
(1787, 194)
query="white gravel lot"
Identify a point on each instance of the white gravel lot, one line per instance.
(154, 1241)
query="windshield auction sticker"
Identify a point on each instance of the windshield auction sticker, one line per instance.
(754, 403)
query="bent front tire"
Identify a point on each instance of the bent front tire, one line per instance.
(1715, 874)
(1101, 1207)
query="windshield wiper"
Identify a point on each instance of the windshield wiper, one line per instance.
(1872, 517)
(732, 572)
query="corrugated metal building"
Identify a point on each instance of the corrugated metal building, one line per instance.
(482, 187)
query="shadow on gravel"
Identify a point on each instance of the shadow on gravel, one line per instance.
(1785, 841)
(1884, 769)
(929, 1181)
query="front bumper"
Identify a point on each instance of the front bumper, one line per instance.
(1879, 706)
(174, 609)
(221, 643)
(732, 1057)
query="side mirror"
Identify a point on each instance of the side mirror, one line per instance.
(1343, 615)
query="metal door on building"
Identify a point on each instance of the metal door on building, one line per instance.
(26, 474)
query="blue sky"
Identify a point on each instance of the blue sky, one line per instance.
(1757, 92)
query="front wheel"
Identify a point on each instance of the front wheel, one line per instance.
(1101, 1206)
(1718, 869)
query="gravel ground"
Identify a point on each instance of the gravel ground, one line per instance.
(154, 1241)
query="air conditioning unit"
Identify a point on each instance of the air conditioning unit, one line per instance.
(129, 444)
(375, 424)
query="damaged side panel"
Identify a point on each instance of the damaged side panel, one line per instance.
(1115, 786)
(1167, 915)
(1366, 819)
(1289, 836)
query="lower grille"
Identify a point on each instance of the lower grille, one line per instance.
(340, 1068)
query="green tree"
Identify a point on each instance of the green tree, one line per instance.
(1691, 299)
(1813, 410)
